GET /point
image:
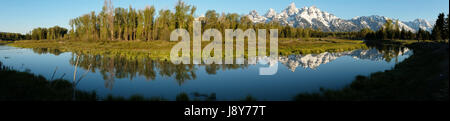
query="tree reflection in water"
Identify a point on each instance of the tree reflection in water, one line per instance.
(129, 66)
(114, 67)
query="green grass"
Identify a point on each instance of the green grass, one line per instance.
(423, 76)
(318, 45)
(161, 49)
(154, 49)
(5, 42)
(24, 86)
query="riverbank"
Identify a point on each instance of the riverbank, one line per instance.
(153, 49)
(24, 86)
(423, 76)
(418, 78)
(318, 45)
(161, 49)
(2, 42)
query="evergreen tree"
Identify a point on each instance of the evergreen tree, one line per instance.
(445, 29)
(438, 29)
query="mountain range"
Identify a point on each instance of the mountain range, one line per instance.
(312, 17)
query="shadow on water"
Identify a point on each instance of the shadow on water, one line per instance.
(24, 86)
(423, 76)
(16, 85)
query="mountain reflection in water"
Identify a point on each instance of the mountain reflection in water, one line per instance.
(129, 67)
(127, 74)
(313, 61)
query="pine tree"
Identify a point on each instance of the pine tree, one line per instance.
(438, 31)
(445, 33)
(397, 30)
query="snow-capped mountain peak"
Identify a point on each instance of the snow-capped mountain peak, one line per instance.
(292, 9)
(420, 24)
(376, 22)
(313, 12)
(271, 13)
(313, 17)
(255, 17)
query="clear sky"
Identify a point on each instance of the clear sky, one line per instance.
(23, 15)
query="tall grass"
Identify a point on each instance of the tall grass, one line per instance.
(161, 49)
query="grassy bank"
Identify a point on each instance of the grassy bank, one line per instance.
(24, 86)
(318, 45)
(161, 49)
(154, 49)
(423, 76)
(2, 42)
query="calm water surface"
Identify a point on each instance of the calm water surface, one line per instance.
(127, 75)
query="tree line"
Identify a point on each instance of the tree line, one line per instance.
(129, 24)
(52, 33)
(121, 24)
(441, 28)
(391, 30)
(13, 36)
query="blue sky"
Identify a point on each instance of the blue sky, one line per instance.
(23, 15)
